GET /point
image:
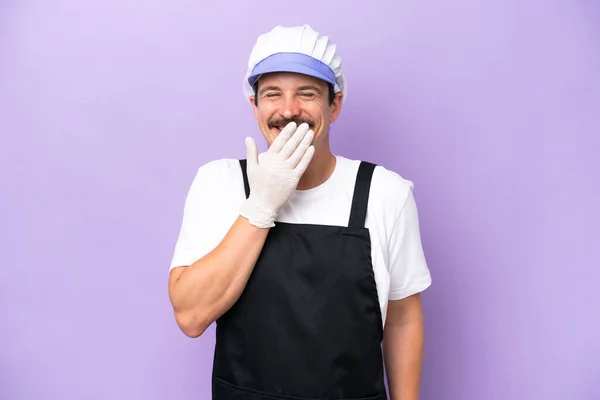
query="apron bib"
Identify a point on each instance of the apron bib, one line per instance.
(308, 324)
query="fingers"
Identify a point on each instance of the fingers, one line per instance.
(282, 138)
(294, 141)
(305, 160)
(300, 150)
(251, 151)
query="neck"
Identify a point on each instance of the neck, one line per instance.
(320, 169)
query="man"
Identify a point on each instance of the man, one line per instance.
(307, 261)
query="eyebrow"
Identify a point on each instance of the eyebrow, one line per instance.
(306, 87)
(311, 87)
(267, 88)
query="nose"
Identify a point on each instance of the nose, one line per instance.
(290, 107)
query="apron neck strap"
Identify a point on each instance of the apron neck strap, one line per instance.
(243, 164)
(360, 198)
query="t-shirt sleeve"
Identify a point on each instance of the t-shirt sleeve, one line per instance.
(409, 273)
(204, 222)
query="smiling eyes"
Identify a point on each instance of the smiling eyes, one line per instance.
(304, 95)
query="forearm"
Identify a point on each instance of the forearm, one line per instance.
(203, 291)
(403, 353)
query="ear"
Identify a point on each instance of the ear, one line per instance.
(254, 107)
(335, 107)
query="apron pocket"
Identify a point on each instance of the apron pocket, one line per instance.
(223, 390)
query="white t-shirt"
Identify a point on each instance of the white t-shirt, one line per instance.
(217, 193)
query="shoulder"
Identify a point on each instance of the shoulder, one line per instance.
(216, 178)
(219, 169)
(220, 172)
(389, 189)
(391, 196)
(389, 185)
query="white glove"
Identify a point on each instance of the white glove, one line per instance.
(273, 176)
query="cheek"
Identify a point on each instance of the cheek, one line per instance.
(267, 113)
(321, 119)
(322, 124)
(262, 114)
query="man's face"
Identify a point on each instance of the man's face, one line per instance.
(286, 97)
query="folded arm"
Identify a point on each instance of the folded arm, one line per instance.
(201, 292)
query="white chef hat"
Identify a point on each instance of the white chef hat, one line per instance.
(297, 49)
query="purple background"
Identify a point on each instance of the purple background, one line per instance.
(108, 107)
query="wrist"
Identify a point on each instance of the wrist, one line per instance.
(257, 213)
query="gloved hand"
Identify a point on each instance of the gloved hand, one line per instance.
(273, 176)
